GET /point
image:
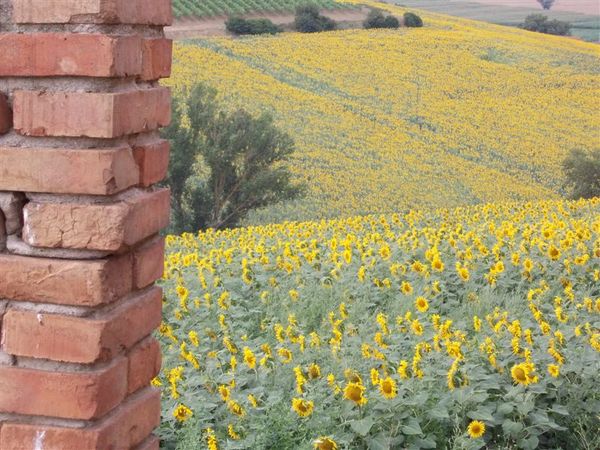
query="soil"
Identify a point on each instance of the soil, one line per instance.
(190, 28)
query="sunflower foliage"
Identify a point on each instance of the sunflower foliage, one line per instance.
(224, 164)
(477, 327)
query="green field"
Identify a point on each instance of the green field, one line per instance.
(586, 27)
(207, 8)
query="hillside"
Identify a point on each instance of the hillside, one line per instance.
(459, 112)
(208, 8)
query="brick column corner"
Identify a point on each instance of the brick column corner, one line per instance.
(80, 216)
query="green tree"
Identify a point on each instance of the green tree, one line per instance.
(541, 24)
(224, 164)
(309, 20)
(412, 20)
(376, 19)
(582, 172)
(546, 4)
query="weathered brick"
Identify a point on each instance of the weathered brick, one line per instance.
(65, 282)
(156, 58)
(5, 115)
(69, 54)
(152, 160)
(148, 262)
(97, 226)
(103, 171)
(11, 205)
(78, 339)
(127, 426)
(67, 395)
(144, 364)
(147, 12)
(91, 114)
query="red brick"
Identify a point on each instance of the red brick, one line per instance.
(66, 395)
(156, 58)
(5, 115)
(147, 12)
(91, 114)
(104, 171)
(152, 443)
(144, 364)
(69, 54)
(152, 160)
(97, 226)
(148, 263)
(65, 282)
(127, 426)
(78, 339)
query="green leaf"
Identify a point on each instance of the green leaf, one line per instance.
(512, 428)
(505, 408)
(560, 409)
(438, 413)
(525, 407)
(379, 442)
(412, 427)
(531, 443)
(363, 426)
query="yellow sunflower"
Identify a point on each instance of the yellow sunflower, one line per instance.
(182, 413)
(422, 304)
(388, 387)
(302, 407)
(325, 443)
(476, 429)
(355, 392)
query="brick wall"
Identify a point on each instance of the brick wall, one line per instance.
(80, 215)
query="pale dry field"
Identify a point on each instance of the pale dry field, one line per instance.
(580, 6)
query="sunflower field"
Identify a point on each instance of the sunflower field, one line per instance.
(456, 328)
(457, 112)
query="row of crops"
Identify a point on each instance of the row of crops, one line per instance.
(207, 8)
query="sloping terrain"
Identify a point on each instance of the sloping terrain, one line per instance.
(458, 112)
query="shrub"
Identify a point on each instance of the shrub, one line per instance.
(376, 19)
(412, 20)
(309, 20)
(582, 171)
(238, 25)
(541, 24)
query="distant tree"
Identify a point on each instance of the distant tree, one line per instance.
(309, 20)
(541, 24)
(240, 26)
(412, 20)
(546, 4)
(376, 19)
(582, 172)
(224, 164)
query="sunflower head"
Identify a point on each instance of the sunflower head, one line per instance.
(303, 408)
(325, 443)
(422, 304)
(388, 388)
(476, 429)
(355, 392)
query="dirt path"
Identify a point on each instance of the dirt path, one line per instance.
(580, 6)
(215, 26)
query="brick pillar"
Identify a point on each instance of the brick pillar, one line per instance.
(80, 213)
